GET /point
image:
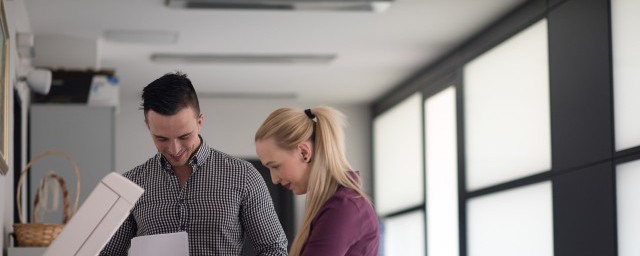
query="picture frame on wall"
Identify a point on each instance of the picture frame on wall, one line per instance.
(4, 92)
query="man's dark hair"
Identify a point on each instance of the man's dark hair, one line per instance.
(169, 94)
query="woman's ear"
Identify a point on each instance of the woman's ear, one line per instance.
(306, 151)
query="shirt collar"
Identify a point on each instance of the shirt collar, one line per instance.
(198, 159)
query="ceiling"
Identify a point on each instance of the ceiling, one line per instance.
(374, 52)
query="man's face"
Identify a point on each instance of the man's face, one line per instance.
(175, 136)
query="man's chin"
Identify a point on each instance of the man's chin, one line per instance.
(177, 163)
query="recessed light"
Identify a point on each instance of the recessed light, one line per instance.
(291, 5)
(141, 36)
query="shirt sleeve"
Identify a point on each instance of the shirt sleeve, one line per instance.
(259, 217)
(121, 241)
(336, 228)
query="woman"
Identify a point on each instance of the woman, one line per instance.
(304, 151)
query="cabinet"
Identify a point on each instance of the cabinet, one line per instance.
(87, 133)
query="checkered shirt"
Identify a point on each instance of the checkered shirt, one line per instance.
(224, 200)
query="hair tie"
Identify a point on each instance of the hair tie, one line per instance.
(310, 115)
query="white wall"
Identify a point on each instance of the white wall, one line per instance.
(230, 126)
(17, 20)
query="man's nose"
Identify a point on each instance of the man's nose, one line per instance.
(174, 148)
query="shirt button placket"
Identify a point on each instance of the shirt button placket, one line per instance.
(182, 210)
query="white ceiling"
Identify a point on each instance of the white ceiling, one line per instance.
(375, 51)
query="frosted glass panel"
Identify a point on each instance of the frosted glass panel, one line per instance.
(506, 99)
(626, 63)
(513, 222)
(398, 156)
(442, 174)
(404, 235)
(627, 191)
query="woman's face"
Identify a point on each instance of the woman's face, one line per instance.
(289, 168)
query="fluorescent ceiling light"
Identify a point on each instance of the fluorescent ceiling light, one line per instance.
(244, 58)
(248, 95)
(315, 5)
(141, 36)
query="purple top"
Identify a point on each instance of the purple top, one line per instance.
(345, 225)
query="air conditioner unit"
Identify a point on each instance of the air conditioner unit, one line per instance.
(320, 5)
(94, 88)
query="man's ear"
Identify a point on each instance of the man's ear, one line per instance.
(200, 119)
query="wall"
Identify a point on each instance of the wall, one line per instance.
(17, 20)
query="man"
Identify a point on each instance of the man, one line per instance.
(189, 186)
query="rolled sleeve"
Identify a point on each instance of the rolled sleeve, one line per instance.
(259, 218)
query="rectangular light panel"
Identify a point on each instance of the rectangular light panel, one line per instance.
(507, 116)
(626, 64)
(442, 174)
(627, 191)
(398, 156)
(404, 234)
(513, 222)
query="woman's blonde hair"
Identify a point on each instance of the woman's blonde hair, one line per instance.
(289, 127)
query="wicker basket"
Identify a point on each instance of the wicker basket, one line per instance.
(38, 234)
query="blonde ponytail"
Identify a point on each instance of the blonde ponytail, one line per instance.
(329, 166)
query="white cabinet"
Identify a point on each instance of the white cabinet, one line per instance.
(86, 133)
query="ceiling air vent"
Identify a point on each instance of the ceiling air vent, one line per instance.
(319, 5)
(243, 58)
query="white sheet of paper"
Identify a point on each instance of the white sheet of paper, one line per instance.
(172, 244)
